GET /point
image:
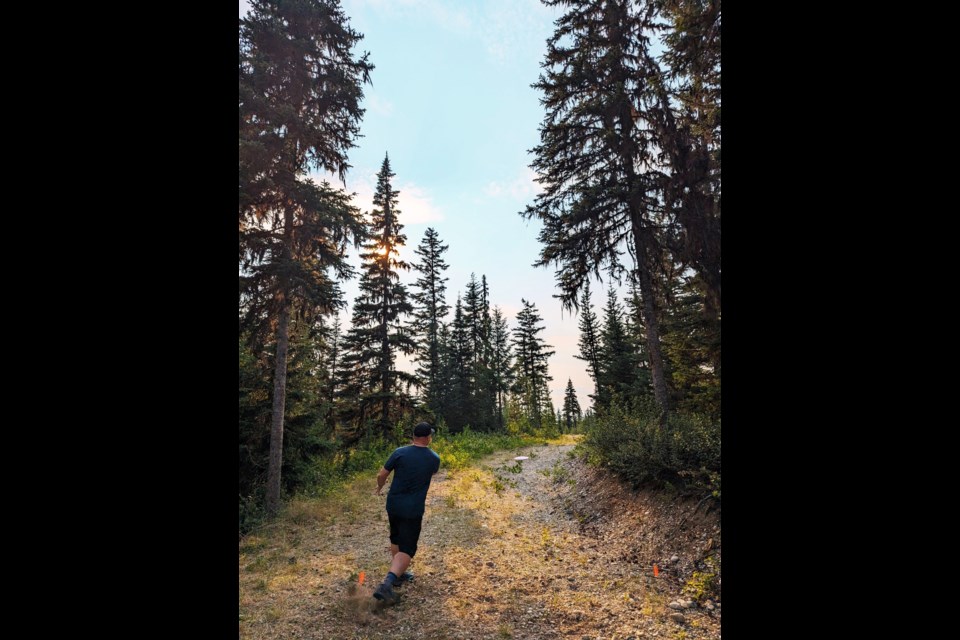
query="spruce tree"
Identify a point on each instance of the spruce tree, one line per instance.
(486, 378)
(376, 335)
(532, 373)
(619, 364)
(445, 383)
(636, 337)
(598, 157)
(691, 342)
(459, 372)
(589, 342)
(299, 108)
(686, 118)
(330, 363)
(430, 310)
(571, 407)
(476, 309)
(501, 365)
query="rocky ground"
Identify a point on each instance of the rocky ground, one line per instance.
(544, 548)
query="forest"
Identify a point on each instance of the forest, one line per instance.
(629, 164)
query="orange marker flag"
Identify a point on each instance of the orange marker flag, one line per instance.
(656, 572)
(362, 576)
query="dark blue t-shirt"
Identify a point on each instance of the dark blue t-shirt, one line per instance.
(413, 468)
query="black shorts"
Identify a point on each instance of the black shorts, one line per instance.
(405, 532)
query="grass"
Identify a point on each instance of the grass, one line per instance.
(460, 450)
(475, 519)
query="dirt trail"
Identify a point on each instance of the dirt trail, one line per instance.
(502, 555)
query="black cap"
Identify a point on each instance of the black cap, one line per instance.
(422, 430)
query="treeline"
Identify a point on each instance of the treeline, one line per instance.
(629, 160)
(343, 388)
(311, 389)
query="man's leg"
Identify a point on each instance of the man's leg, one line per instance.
(400, 563)
(404, 534)
(406, 576)
(409, 536)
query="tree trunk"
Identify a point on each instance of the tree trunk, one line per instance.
(280, 376)
(279, 398)
(645, 279)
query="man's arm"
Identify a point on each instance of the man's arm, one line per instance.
(381, 479)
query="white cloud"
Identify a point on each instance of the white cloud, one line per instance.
(493, 189)
(522, 187)
(378, 105)
(415, 203)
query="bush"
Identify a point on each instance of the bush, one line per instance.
(632, 443)
(252, 512)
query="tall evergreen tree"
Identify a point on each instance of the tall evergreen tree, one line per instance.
(686, 116)
(486, 378)
(501, 365)
(376, 335)
(571, 407)
(619, 368)
(445, 383)
(474, 316)
(459, 372)
(597, 157)
(299, 108)
(477, 317)
(330, 362)
(589, 342)
(353, 376)
(636, 336)
(430, 309)
(531, 365)
(691, 342)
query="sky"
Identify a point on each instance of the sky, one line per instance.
(451, 103)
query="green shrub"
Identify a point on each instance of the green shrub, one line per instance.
(632, 443)
(252, 512)
(459, 450)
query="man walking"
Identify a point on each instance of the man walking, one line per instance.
(414, 466)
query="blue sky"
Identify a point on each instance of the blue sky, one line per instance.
(451, 103)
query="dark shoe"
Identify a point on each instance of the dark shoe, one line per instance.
(405, 578)
(385, 594)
